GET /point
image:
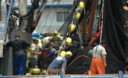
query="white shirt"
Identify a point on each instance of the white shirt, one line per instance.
(98, 51)
(35, 48)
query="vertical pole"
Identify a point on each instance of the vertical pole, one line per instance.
(7, 58)
(7, 62)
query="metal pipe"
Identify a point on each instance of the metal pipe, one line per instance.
(7, 19)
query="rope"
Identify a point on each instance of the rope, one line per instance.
(47, 16)
(52, 19)
(76, 59)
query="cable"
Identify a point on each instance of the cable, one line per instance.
(47, 16)
(51, 22)
(53, 18)
(75, 60)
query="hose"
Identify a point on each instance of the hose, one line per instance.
(75, 60)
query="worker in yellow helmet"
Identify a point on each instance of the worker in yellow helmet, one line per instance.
(58, 65)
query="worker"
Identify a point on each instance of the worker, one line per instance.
(58, 65)
(43, 58)
(98, 63)
(35, 51)
(19, 55)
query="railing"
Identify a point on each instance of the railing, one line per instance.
(66, 76)
(120, 75)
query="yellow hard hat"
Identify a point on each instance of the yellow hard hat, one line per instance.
(78, 15)
(63, 53)
(81, 4)
(35, 70)
(68, 41)
(72, 27)
(28, 74)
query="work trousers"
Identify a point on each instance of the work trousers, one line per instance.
(97, 66)
(33, 62)
(19, 64)
(53, 71)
